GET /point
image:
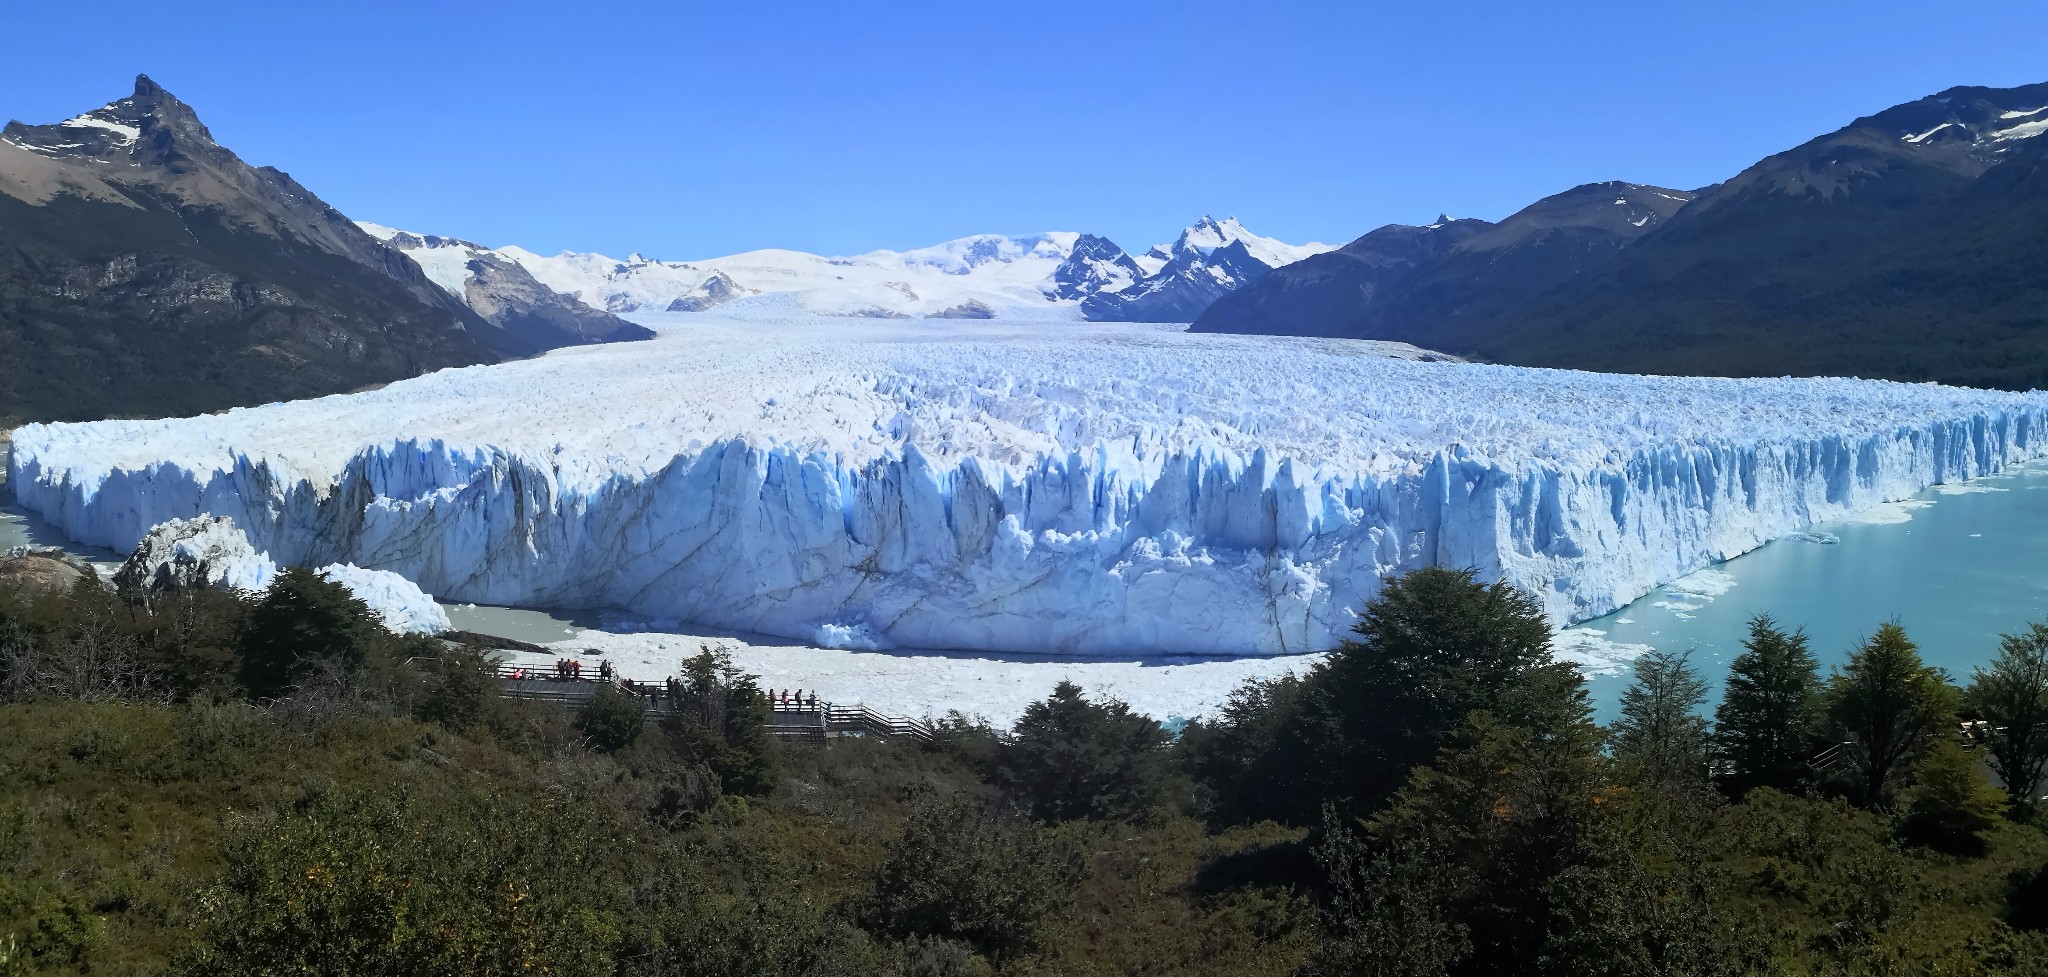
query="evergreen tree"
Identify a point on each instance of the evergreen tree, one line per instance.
(1432, 648)
(1767, 725)
(1503, 818)
(1661, 739)
(1071, 758)
(1888, 705)
(303, 620)
(721, 720)
(1950, 805)
(1244, 763)
(2012, 695)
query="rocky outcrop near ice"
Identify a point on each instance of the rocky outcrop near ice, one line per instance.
(211, 551)
(1057, 273)
(204, 551)
(1071, 488)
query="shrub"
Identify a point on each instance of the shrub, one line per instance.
(959, 874)
(612, 718)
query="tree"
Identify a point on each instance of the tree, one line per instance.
(301, 621)
(1243, 762)
(1503, 818)
(1432, 648)
(1949, 805)
(1887, 704)
(958, 874)
(1389, 913)
(1072, 758)
(612, 718)
(721, 720)
(1767, 725)
(2012, 695)
(1660, 739)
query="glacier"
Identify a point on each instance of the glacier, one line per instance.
(1043, 488)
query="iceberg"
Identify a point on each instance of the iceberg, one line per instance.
(1064, 489)
(399, 603)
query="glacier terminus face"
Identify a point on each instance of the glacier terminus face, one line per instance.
(1057, 487)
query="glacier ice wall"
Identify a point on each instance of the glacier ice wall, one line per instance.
(1056, 543)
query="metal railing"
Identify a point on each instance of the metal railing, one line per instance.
(809, 718)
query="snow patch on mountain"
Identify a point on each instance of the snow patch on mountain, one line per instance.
(1031, 276)
(1210, 234)
(1062, 488)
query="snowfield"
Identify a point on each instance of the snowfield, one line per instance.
(1044, 488)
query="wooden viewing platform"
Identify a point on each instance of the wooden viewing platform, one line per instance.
(813, 719)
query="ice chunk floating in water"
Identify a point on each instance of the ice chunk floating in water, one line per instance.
(1070, 489)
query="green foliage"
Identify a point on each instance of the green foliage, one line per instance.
(1949, 806)
(303, 623)
(46, 930)
(959, 874)
(613, 718)
(457, 682)
(970, 738)
(1248, 762)
(1390, 912)
(1510, 810)
(1660, 739)
(363, 884)
(1888, 705)
(1072, 758)
(392, 834)
(721, 721)
(1433, 647)
(2012, 695)
(1766, 729)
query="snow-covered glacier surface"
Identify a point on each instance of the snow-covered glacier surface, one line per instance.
(1059, 487)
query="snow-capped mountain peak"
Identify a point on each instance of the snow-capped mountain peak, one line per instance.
(1209, 234)
(1053, 273)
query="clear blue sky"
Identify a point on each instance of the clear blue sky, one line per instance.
(688, 130)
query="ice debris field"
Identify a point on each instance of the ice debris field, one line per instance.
(1058, 488)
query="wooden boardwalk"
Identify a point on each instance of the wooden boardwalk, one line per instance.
(813, 719)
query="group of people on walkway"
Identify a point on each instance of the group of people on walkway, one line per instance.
(785, 699)
(571, 670)
(567, 670)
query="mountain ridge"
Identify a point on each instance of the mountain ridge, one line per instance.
(1060, 273)
(1896, 246)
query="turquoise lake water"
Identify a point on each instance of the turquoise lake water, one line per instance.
(1957, 566)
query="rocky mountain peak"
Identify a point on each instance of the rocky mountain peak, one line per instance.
(151, 127)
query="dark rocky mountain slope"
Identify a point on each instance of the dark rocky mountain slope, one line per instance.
(147, 270)
(1911, 244)
(1402, 281)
